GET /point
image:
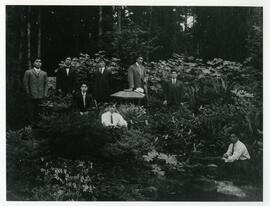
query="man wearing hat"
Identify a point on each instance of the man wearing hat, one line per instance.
(173, 90)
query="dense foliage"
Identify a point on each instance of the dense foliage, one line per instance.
(74, 158)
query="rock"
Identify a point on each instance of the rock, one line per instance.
(227, 188)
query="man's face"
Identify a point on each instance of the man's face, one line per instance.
(84, 88)
(140, 60)
(112, 109)
(101, 64)
(75, 63)
(233, 138)
(37, 63)
(174, 75)
(68, 61)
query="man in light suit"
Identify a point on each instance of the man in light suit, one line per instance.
(173, 91)
(36, 86)
(137, 76)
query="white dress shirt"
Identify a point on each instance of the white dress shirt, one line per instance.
(113, 119)
(36, 70)
(140, 68)
(67, 70)
(238, 151)
(102, 70)
(84, 95)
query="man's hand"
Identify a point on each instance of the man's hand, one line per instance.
(59, 90)
(165, 102)
(73, 91)
(225, 155)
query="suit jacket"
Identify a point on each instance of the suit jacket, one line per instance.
(78, 102)
(65, 82)
(35, 84)
(135, 78)
(102, 85)
(173, 92)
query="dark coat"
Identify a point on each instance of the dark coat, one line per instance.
(35, 84)
(135, 79)
(78, 102)
(102, 85)
(65, 82)
(173, 93)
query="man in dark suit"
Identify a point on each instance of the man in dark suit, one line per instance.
(137, 76)
(36, 86)
(173, 91)
(83, 100)
(66, 79)
(102, 83)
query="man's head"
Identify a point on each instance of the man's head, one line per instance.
(37, 63)
(101, 64)
(68, 61)
(139, 60)
(174, 74)
(75, 62)
(233, 138)
(84, 87)
(112, 108)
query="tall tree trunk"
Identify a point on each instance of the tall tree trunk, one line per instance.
(119, 18)
(29, 37)
(39, 34)
(100, 31)
(149, 33)
(21, 41)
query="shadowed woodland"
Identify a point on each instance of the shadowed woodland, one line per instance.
(166, 153)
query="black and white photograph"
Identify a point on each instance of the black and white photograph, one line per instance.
(134, 103)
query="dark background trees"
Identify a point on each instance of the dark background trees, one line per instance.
(55, 32)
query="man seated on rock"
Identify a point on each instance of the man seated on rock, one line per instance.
(83, 101)
(236, 158)
(112, 118)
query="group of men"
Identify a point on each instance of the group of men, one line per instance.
(36, 87)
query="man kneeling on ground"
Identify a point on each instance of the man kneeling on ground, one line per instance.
(83, 101)
(112, 118)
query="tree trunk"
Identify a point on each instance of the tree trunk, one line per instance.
(149, 33)
(21, 41)
(100, 31)
(39, 35)
(119, 18)
(29, 38)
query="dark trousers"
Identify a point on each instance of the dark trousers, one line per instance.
(34, 109)
(237, 170)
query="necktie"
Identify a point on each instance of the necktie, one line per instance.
(111, 118)
(232, 149)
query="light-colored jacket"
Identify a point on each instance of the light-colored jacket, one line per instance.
(35, 84)
(136, 76)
